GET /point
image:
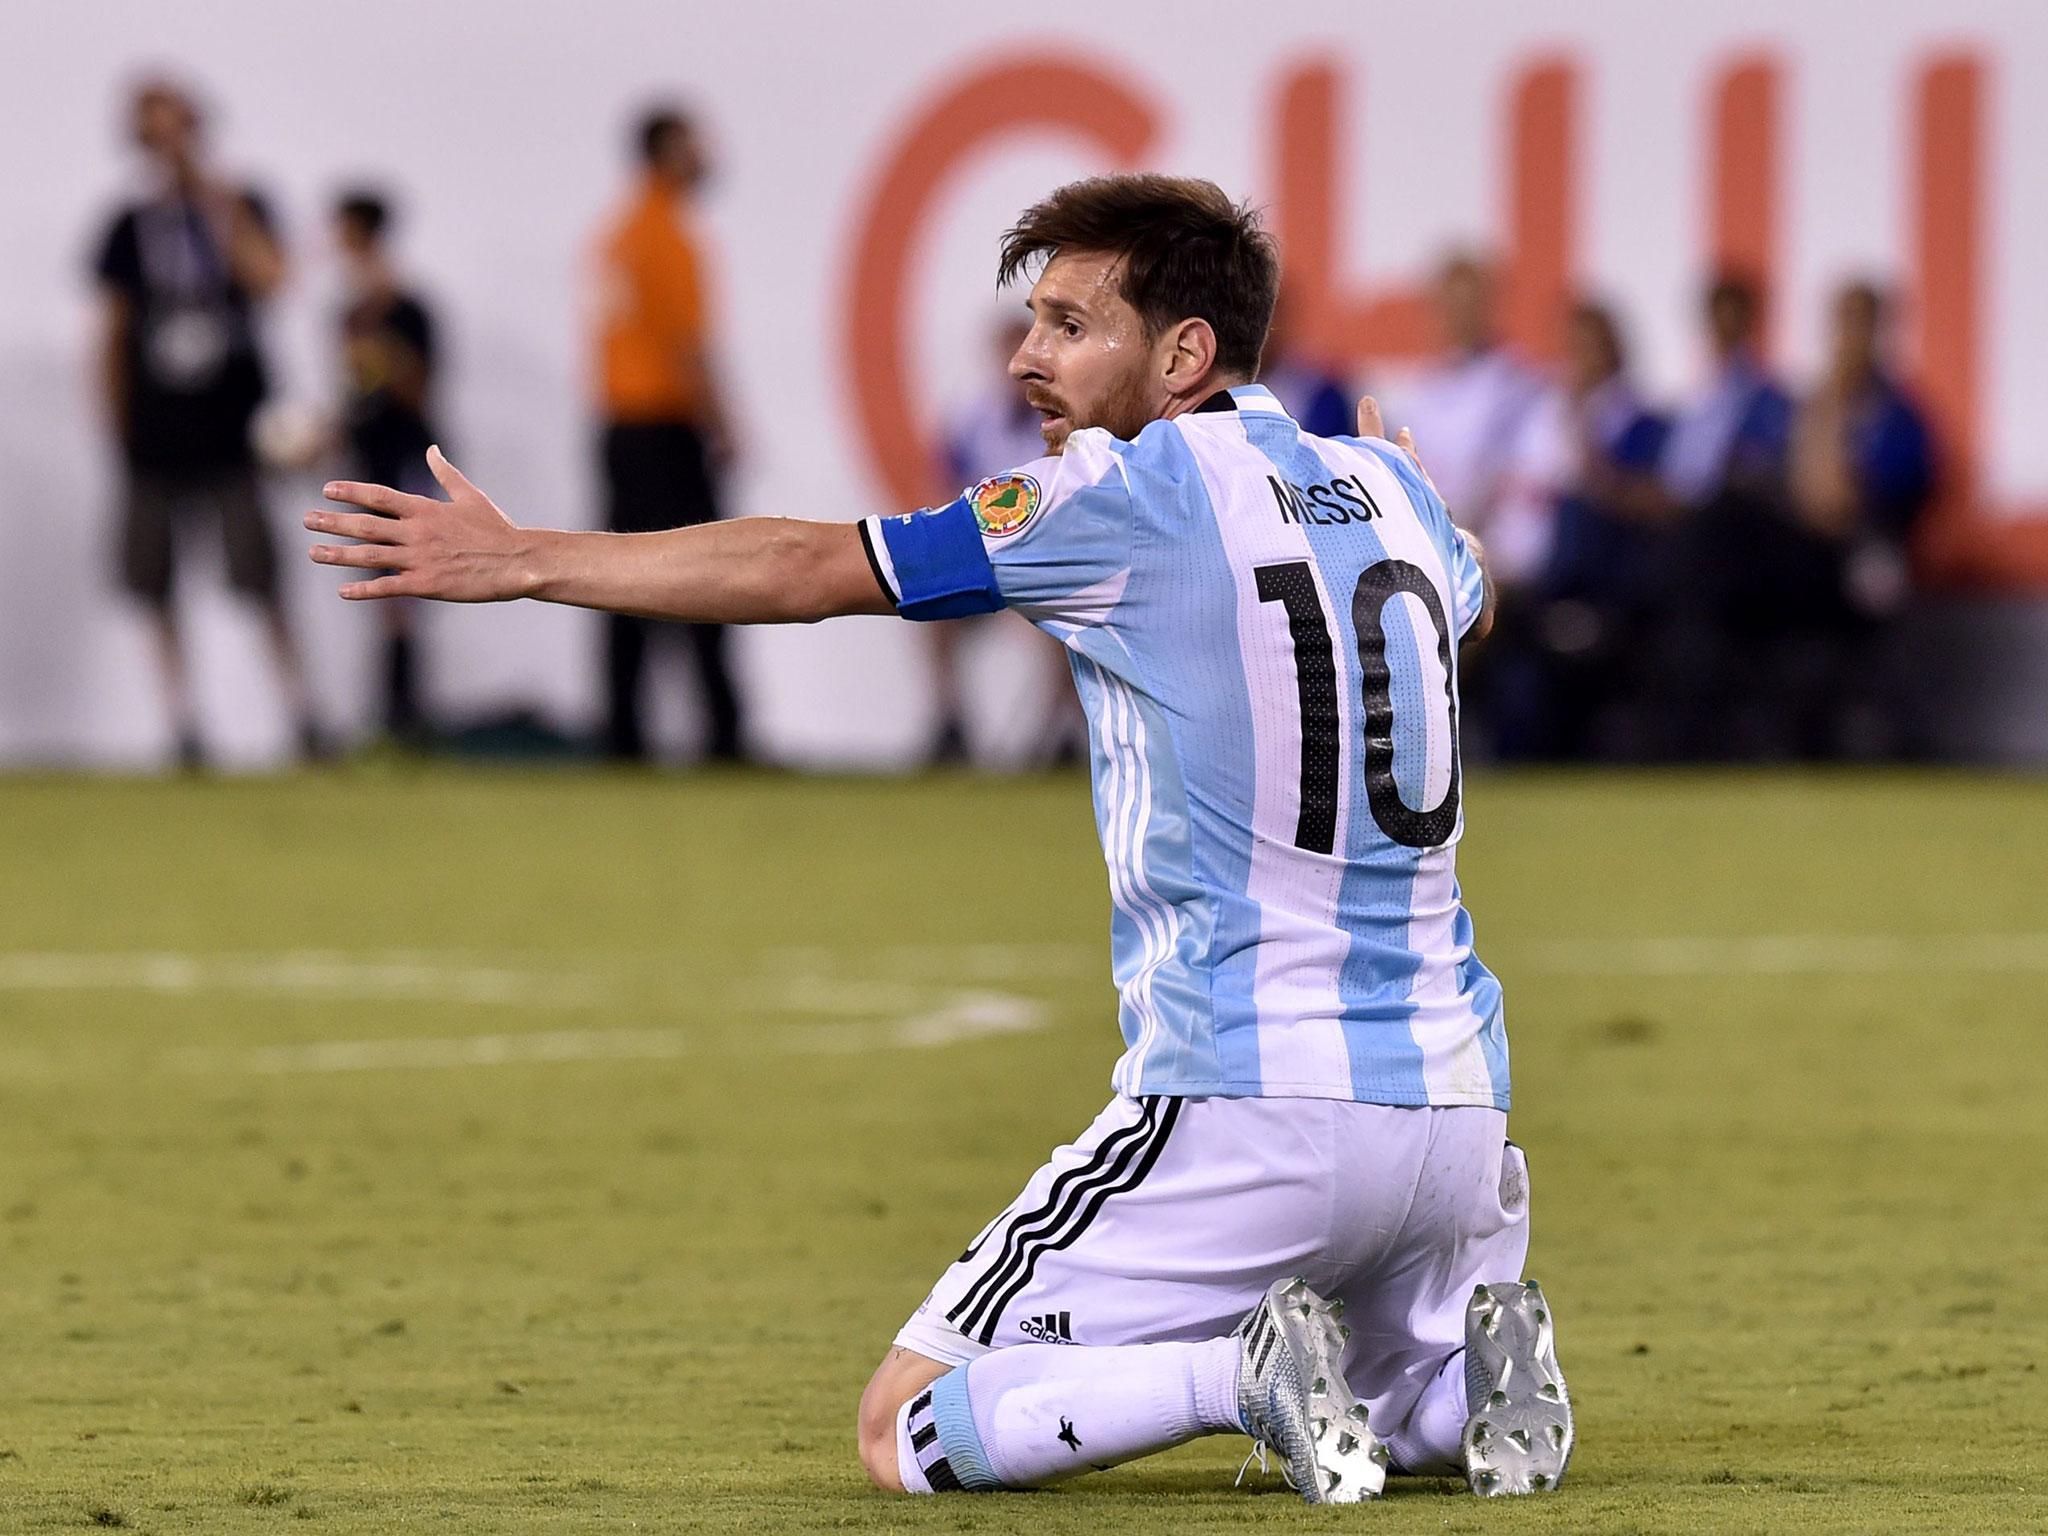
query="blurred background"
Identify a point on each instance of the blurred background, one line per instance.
(391, 1142)
(1720, 325)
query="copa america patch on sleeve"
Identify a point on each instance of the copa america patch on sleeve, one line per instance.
(1004, 504)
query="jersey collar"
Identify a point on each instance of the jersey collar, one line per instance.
(1254, 398)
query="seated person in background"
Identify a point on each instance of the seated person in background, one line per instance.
(1862, 472)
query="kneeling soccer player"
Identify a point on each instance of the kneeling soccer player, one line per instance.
(1300, 1218)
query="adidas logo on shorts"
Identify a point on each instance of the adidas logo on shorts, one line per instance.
(1049, 1328)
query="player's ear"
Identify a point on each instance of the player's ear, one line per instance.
(1189, 355)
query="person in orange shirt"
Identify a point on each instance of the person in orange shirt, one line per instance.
(665, 426)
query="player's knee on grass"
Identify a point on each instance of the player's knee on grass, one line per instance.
(901, 1376)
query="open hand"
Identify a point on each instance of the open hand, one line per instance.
(462, 550)
(1371, 425)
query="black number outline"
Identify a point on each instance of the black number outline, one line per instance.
(1377, 586)
(1292, 584)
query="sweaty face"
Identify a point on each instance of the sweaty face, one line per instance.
(1086, 361)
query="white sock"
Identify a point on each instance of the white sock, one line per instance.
(1433, 1439)
(909, 1466)
(1036, 1413)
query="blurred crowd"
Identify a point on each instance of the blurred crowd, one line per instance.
(1714, 577)
(183, 272)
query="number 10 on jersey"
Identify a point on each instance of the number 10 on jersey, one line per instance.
(1292, 584)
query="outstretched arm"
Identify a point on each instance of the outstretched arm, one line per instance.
(756, 570)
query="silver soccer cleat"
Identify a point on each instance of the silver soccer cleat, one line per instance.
(1519, 1436)
(1293, 1399)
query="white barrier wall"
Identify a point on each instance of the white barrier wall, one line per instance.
(503, 128)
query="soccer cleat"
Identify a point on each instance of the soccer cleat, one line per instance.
(1519, 1436)
(1292, 1397)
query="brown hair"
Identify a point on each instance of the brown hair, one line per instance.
(1185, 249)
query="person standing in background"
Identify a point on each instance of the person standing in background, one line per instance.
(1863, 470)
(1468, 411)
(1590, 450)
(1301, 379)
(1729, 442)
(666, 435)
(1743, 564)
(388, 353)
(181, 272)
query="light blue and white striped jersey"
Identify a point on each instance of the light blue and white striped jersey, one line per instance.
(1263, 626)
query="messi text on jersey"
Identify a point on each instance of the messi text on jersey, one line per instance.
(1342, 500)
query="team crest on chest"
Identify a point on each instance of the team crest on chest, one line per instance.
(1003, 504)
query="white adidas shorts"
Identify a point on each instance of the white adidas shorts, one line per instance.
(1169, 1217)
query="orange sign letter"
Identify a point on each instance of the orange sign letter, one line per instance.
(998, 101)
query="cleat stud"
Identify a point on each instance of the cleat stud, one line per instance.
(1357, 1411)
(1380, 1456)
(1337, 1307)
(1541, 1315)
(1531, 1287)
(1557, 1435)
(1549, 1392)
(1498, 1400)
(1539, 1481)
(1346, 1443)
(1334, 1478)
(1520, 1437)
(1320, 1384)
(1480, 1293)
(1343, 1330)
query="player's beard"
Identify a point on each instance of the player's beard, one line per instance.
(1122, 411)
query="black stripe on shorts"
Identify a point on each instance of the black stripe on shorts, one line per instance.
(1047, 1214)
(1121, 1163)
(1131, 1175)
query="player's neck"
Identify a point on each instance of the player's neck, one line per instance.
(1181, 404)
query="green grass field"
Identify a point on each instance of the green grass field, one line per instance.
(558, 1153)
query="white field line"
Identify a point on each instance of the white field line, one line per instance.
(965, 1016)
(840, 1014)
(550, 1045)
(802, 980)
(1782, 955)
(948, 962)
(297, 973)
